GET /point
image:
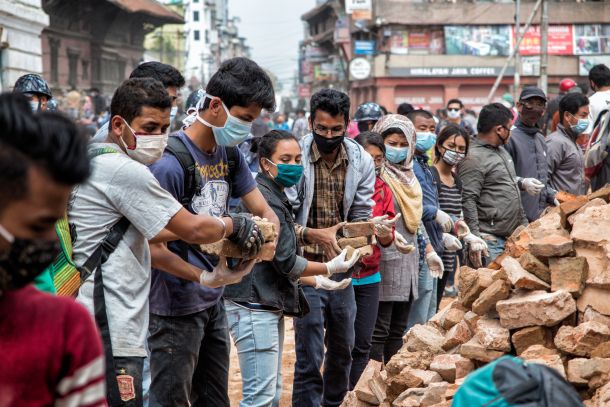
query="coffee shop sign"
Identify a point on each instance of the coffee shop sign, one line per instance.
(447, 71)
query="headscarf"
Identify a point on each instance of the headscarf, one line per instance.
(400, 177)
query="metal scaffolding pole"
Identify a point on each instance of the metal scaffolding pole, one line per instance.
(514, 51)
(517, 79)
(544, 46)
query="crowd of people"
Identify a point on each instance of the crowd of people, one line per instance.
(107, 298)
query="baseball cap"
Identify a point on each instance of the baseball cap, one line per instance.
(532, 92)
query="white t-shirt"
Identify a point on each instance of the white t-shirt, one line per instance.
(597, 102)
(120, 187)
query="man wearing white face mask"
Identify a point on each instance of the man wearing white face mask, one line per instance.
(121, 187)
(455, 112)
(192, 369)
(171, 79)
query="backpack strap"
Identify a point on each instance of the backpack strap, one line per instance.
(192, 177)
(230, 176)
(437, 180)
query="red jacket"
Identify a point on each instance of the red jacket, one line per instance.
(384, 205)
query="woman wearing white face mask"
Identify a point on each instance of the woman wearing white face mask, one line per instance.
(450, 149)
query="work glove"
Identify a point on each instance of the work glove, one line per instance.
(435, 264)
(461, 229)
(222, 275)
(326, 283)
(556, 202)
(340, 264)
(246, 235)
(451, 242)
(532, 186)
(383, 226)
(401, 243)
(444, 220)
(477, 248)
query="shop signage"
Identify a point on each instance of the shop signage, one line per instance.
(364, 47)
(359, 69)
(454, 71)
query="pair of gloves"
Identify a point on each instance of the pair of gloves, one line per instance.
(476, 246)
(337, 265)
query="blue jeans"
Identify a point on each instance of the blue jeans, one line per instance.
(335, 310)
(259, 338)
(420, 308)
(495, 246)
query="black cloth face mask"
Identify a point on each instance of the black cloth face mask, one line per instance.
(24, 260)
(327, 145)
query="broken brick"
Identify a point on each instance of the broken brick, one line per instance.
(529, 262)
(498, 290)
(492, 335)
(457, 335)
(568, 273)
(582, 339)
(474, 350)
(451, 367)
(551, 246)
(533, 335)
(535, 308)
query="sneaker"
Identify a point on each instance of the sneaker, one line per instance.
(450, 291)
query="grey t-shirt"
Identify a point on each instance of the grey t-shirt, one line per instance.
(120, 187)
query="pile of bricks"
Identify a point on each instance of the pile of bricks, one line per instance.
(546, 299)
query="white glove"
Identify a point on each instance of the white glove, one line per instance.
(339, 264)
(532, 186)
(435, 264)
(451, 242)
(326, 283)
(461, 229)
(401, 243)
(223, 275)
(383, 226)
(444, 220)
(475, 243)
(556, 202)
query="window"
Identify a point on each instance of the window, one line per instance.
(207, 36)
(72, 69)
(196, 35)
(85, 69)
(54, 46)
(195, 16)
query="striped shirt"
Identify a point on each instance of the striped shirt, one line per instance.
(327, 206)
(450, 202)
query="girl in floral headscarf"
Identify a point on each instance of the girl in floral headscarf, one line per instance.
(399, 268)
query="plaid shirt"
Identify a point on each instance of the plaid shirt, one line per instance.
(327, 206)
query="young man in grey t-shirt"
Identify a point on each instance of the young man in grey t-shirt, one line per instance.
(121, 186)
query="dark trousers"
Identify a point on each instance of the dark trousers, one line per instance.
(389, 329)
(189, 359)
(367, 303)
(128, 372)
(335, 311)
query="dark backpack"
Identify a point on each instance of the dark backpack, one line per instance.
(192, 179)
(510, 381)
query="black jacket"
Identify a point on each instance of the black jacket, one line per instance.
(275, 284)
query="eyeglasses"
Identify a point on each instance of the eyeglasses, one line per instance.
(323, 130)
(533, 104)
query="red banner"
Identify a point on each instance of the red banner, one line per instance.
(560, 40)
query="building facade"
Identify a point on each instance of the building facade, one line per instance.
(167, 43)
(426, 53)
(21, 23)
(211, 37)
(96, 44)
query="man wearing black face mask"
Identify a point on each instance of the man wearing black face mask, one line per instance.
(528, 150)
(51, 350)
(337, 185)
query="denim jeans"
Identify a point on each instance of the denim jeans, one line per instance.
(189, 359)
(389, 329)
(495, 246)
(367, 302)
(129, 377)
(420, 308)
(259, 338)
(335, 310)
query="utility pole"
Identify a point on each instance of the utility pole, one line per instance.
(544, 46)
(517, 80)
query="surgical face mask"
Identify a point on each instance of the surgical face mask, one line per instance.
(149, 147)
(34, 105)
(287, 174)
(580, 126)
(396, 155)
(172, 115)
(233, 132)
(453, 114)
(24, 260)
(453, 157)
(327, 145)
(425, 140)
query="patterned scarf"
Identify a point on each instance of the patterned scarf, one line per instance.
(400, 177)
